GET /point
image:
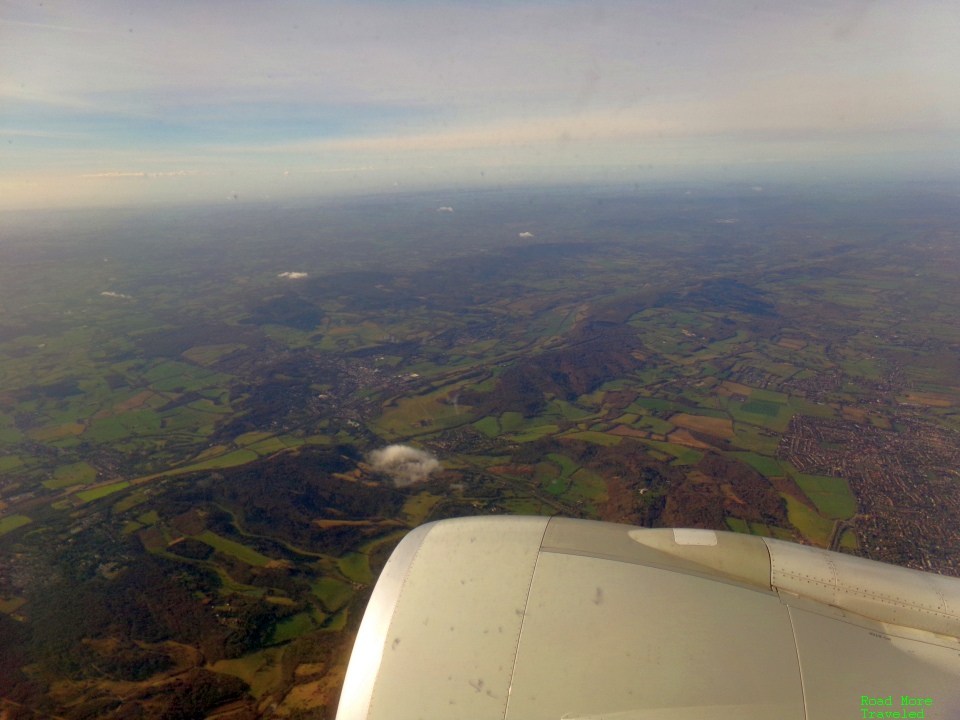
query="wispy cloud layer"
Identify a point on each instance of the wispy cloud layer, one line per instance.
(360, 94)
(140, 175)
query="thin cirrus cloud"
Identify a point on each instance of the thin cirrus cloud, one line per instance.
(347, 96)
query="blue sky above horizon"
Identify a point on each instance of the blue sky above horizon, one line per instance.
(104, 102)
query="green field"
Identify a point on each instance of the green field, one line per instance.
(12, 522)
(588, 486)
(418, 507)
(10, 462)
(753, 439)
(648, 403)
(831, 495)
(489, 426)
(512, 421)
(810, 524)
(356, 567)
(231, 459)
(74, 474)
(103, 491)
(292, 627)
(761, 407)
(261, 670)
(849, 540)
(567, 466)
(535, 432)
(266, 447)
(597, 438)
(130, 501)
(737, 525)
(766, 466)
(763, 413)
(648, 422)
(805, 407)
(567, 410)
(332, 593)
(241, 552)
(553, 483)
(683, 454)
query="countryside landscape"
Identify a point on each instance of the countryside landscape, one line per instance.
(190, 518)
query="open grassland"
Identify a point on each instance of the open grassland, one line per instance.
(12, 522)
(654, 424)
(650, 403)
(535, 432)
(737, 525)
(417, 507)
(683, 455)
(717, 427)
(849, 540)
(237, 550)
(557, 484)
(512, 422)
(355, 566)
(332, 593)
(805, 407)
(129, 502)
(597, 438)
(755, 439)
(102, 491)
(251, 438)
(262, 671)
(489, 426)
(207, 355)
(292, 627)
(10, 462)
(268, 446)
(766, 466)
(74, 474)
(567, 411)
(811, 525)
(585, 487)
(231, 459)
(57, 432)
(423, 414)
(831, 495)
(929, 399)
(567, 466)
(763, 413)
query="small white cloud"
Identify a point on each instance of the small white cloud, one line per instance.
(757, 188)
(728, 221)
(110, 293)
(445, 208)
(406, 465)
(293, 275)
(526, 234)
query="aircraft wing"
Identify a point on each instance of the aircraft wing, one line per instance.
(528, 618)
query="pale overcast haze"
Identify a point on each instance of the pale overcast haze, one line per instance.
(125, 103)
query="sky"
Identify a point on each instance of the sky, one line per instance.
(132, 102)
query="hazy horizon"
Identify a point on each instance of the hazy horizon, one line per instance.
(129, 104)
